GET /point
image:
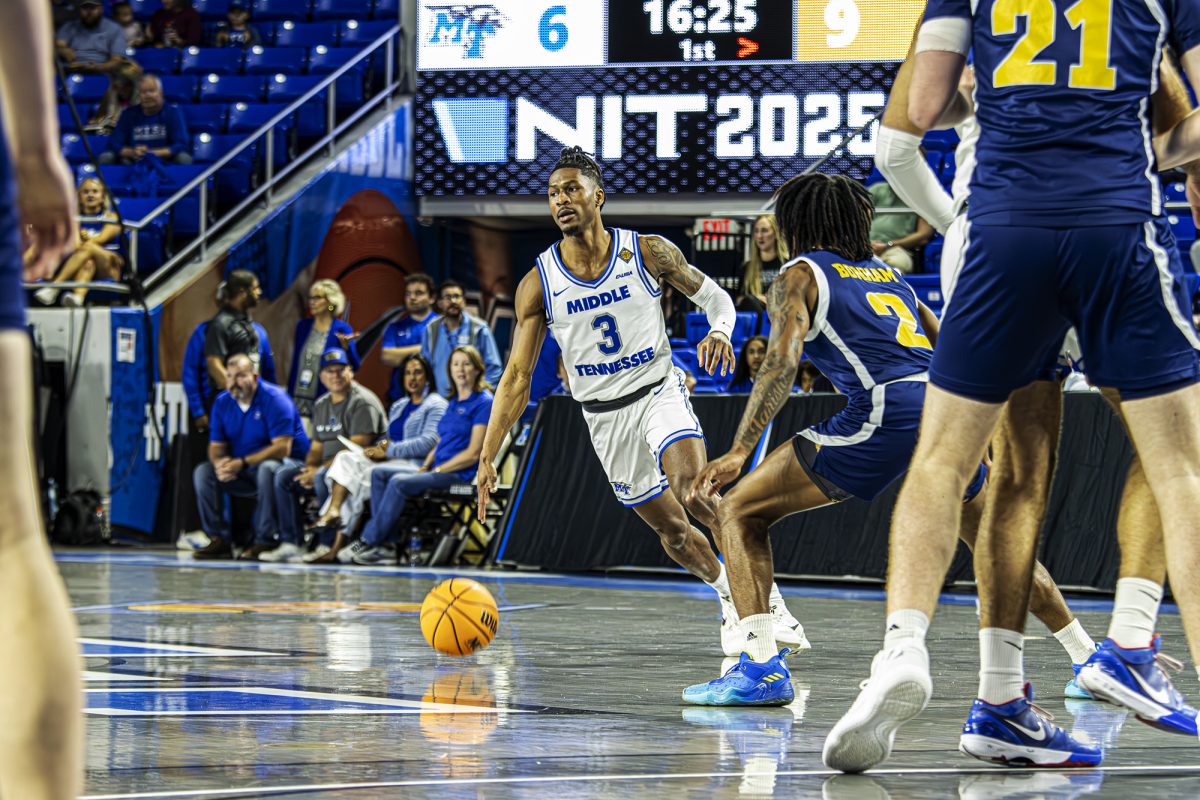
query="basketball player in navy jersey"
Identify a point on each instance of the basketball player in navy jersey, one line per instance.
(41, 741)
(598, 291)
(1027, 434)
(1060, 232)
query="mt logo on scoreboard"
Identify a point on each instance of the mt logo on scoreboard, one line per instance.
(468, 26)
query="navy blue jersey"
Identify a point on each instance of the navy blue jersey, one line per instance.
(866, 330)
(1063, 101)
(12, 299)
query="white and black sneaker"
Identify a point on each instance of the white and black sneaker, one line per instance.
(365, 554)
(789, 632)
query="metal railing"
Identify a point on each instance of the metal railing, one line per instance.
(389, 41)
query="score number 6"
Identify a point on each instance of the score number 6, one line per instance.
(843, 18)
(553, 35)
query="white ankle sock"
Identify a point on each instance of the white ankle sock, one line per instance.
(760, 637)
(1076, 642)
(1001, 667)
(720, 584)
(906, 628)
(1135, 610)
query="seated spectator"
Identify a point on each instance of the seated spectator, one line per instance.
(152, 128)
(237, 32)
(91, 44)
(754, 350)
(895, 238)
(122, 93)
(315, 334)
(176, 24)
(454, 329)
(135, 34)
(348, 411)
(454, 460)
(402, 337)
(411, 435)
(255, 432)
(767, 254)
(810, 380)
(97, 255)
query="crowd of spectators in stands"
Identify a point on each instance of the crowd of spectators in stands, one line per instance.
(324, 448)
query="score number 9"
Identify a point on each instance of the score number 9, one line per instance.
(843, 18)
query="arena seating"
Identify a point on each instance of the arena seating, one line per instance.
(227, 93)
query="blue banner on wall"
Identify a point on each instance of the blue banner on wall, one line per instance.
(137, 452)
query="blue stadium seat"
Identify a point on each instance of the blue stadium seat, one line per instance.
(66, 122)
(323, 60)
(356, 33)
(296, 10)
(151, 240)
(941, 140)
(249, 117)
(1183, 227)
(697, 327)
(1191, 282)
(270, 60)
(235, 179)
(144, 9)
(156, 60)
(949, 168)
(210, 147)
(341, 9)
(204, 117)
(179, 88)
(212, 10)
(231, 88)
(310, 117)
(211, 60)
(87, 88)
(928, 288)
(743, 329)
(118, 178)
(185, 219)
(386, 9)
(934, 159)
(1175, 192)
(305, 34)
(74, 150)
(933, 254)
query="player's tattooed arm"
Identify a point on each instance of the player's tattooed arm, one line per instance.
(665, 261)
(787, 305)
(512, 395)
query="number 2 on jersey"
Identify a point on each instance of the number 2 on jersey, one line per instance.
(1020, 67)
(608, 330)
(888, 305)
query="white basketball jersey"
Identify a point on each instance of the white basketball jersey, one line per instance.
(611, 330)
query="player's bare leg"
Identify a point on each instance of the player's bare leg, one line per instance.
(1166, 434)
(954, 433)
(41, 736)
(682, 462)
(686, 545)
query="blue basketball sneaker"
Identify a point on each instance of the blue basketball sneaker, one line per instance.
(1135, 679)
(746, 683)
(1073, 690)
(1019, 733)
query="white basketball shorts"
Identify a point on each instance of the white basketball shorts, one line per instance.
(630, 441)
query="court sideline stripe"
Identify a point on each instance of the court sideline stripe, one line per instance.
(529, 779)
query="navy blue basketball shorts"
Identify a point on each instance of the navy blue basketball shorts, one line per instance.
(12, 296)
(1021, 288)
(865, 447)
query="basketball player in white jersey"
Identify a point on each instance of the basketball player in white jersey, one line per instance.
(41, 725)
(598, 291)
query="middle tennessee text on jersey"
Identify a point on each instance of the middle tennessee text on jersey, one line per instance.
(866, 330)
(611, 330)
(1062, 95)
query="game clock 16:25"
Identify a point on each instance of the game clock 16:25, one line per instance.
(699, 31)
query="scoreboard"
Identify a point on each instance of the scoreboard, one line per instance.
(671, 95)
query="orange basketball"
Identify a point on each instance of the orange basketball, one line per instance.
(459, 616)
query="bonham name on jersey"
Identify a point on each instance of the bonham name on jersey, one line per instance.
(597, 300)
(872, 274)
(613, 367)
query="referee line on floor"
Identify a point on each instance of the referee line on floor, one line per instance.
(650, 776)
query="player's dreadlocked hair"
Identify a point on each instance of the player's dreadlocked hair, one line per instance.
(825, 212)
(575, 158)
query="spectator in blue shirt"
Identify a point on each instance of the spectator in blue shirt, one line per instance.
(754, 350)
(237, 32)
(454, 460)
(255, 432)
(322, 331)
(402, 338)
(91, 44)
(456, 328)
(155, 128)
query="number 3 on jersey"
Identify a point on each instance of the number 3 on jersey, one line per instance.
(608, 330)
(888, 305)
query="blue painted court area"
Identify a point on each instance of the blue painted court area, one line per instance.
(253, 701)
